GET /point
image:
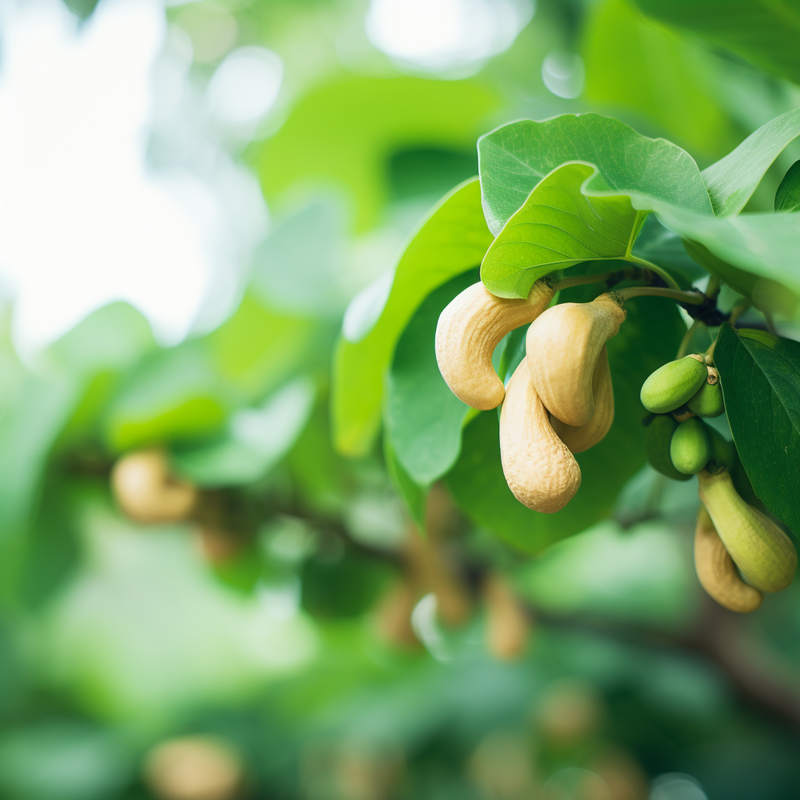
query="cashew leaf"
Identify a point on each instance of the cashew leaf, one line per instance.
(760, 376)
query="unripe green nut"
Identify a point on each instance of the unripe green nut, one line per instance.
(673, 384)
(723, 452)
(656, 446)
(764, 554)
(707, 401)
(689, 448)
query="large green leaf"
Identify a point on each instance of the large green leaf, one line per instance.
(558, 227)
(765, 32)
(733, 179)
(787, 198)
(423, 417)
(633, 62)
(253, 442)
(450, 241)
(647, 339)
(760, 376)
(343, 133)
(515, 157)
(768, 245)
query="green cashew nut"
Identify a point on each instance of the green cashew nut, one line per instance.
(656, 446)
(690, 448)
(673, 384)
(763, 552)
(707, 401)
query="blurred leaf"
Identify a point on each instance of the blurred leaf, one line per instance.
(760, 376)
(647, 339)
(450, 241)
(423, 417)
(28, 430)
(732, 180)
(254, 441)
(515, 157)
(787, 198)
(764, 32)
(173, 395)
(767, 245)
(558, 227)
(259, 347)
(413, 495)
(344, 133)
(638, 574)
(64, 761)
(634, 63)
(298, 266)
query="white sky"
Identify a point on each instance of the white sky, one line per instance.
(83, 220)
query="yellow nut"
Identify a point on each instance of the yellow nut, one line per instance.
(147, 492)
(585, 436)
(763, 552)
(563, 345)
(716, 571)
(539, 468)
(469, 330)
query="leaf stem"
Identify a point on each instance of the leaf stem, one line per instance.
(668, 279)
(693, 298)
(713, 286)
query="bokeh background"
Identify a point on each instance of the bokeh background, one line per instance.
(191, 194)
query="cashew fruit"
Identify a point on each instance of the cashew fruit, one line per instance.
(469, 330)
(763, 553)
(147, 492)
(690, 448)
(539, 468)
(656, 446)
(716, 571)
(672, 385)
(707, 401)
(585, 436)
(563, 345)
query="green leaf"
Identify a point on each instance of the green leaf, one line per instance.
(173, 395)
(255, 440)
(627, 55)
(732, 180)
(515, 157)
(413, 495)
(648, 338)
(760, 376)
(764, 32)
(423, 417)
(344, 132)
(452, 240)
(558, 227)
(787, 198)
(664, 247)
(768, 245)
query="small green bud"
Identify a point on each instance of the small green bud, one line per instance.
(673, 384)
(690, 448)
(656, 446)
(707, 401)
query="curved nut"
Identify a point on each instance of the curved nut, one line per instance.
(716, 571)
(763, 552)
(585, 436)
(146, 492)
(538, 466)
(469, 330)
(563, 345)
